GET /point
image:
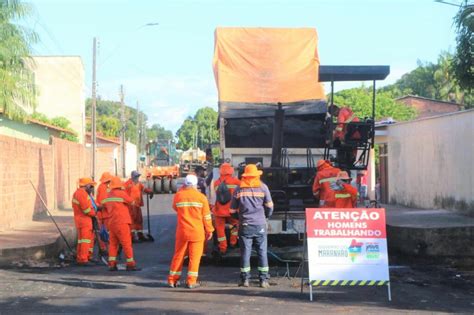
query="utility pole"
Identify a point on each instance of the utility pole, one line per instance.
(139, 131)
(123, 129)
(94, 104)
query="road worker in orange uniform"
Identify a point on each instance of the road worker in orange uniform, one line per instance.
(344, 116)
(325, 175)
(117, 202)
(345, 195)
(135, 189)
(193, 228)
(221, 211)
(103, 215)
(83, 213)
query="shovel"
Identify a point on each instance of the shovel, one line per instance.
(149, 236)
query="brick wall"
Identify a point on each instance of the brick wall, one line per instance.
(53, 168)
(21, 161)
(427, 108)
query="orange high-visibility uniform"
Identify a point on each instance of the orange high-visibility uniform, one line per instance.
(322, 184)
(346, 115)
(135, 192)
(346, 198)
(194, 221)
(102, 215)
(222, 214)
(117, 202)
(83, 213)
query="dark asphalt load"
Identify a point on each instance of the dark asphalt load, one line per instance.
(94, 290)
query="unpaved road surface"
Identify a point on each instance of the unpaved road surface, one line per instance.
(94, 290)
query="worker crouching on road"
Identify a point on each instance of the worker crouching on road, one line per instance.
(325, 175)
(253, 203)
(83, 212)
(135, 189)
(225, 187)
(193, 228)
(117, 203)
(345, 195)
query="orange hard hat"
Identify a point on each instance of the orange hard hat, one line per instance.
(106, 177)
(251, 170)
(116, 183)
(226, 169)
(86, 181)
(321, 163)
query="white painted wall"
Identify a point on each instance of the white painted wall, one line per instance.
(431, 162)
(130, 158)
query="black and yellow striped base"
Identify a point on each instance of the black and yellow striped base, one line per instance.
(348, 282)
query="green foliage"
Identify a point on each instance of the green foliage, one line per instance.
(200, 130)
(61, 122)
(432, 80)
(158, 132)
(360, 101)
(17, 90)
(463, 63)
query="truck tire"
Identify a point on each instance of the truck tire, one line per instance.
(166, 185)
(174, 186)
(157, 187)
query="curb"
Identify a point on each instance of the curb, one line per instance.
(10, 256)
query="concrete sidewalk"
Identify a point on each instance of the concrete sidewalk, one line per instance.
(37, 240)
(436, 234)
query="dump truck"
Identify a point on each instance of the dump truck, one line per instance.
(163, 166)
(190, 159)
(273, 112)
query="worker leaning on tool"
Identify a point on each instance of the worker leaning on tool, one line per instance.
(325, 175)
(253, 204)
(117, 203)
(83, 211)
(193, 228)
(345, 195)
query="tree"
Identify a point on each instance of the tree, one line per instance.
(61, 122)
(17, 91)
(158, 132)
(200, 130)
(360, 101)
(463, 64)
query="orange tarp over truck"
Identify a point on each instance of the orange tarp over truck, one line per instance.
(267, 65)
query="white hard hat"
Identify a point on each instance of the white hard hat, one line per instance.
(191, 180)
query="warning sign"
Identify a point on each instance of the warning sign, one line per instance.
(347, 246)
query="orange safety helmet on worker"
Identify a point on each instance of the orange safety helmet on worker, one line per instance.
(83, 213)
(325, 175)
(345, 195)
(117, 202)
(221, 210)
(193, 228)
(344, 116)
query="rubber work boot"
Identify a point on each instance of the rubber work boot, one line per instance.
(244, 283)
(193, 286)
(264, 284)
(114, 268)
(133, 268)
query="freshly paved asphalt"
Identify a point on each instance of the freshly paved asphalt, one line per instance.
(95, 290)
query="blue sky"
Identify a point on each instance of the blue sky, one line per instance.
(167, 68)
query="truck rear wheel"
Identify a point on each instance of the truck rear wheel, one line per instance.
(174, 186)
(166, 185)
(157, 187)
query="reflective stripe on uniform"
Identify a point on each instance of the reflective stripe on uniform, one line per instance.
(129, 259)
(221, 239)
(329, 179)
(189, 204)
(113, 199)
(84, 240)
(350, 119)
(338, 128)
(263, 269)
(175, 273)
(193, 274)
(343, 195)
(251, 194)
(232, 211)
(245, 269)
(234, 233)
(112, 258)
(207, 217)
(74, 200)
(87, 210)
